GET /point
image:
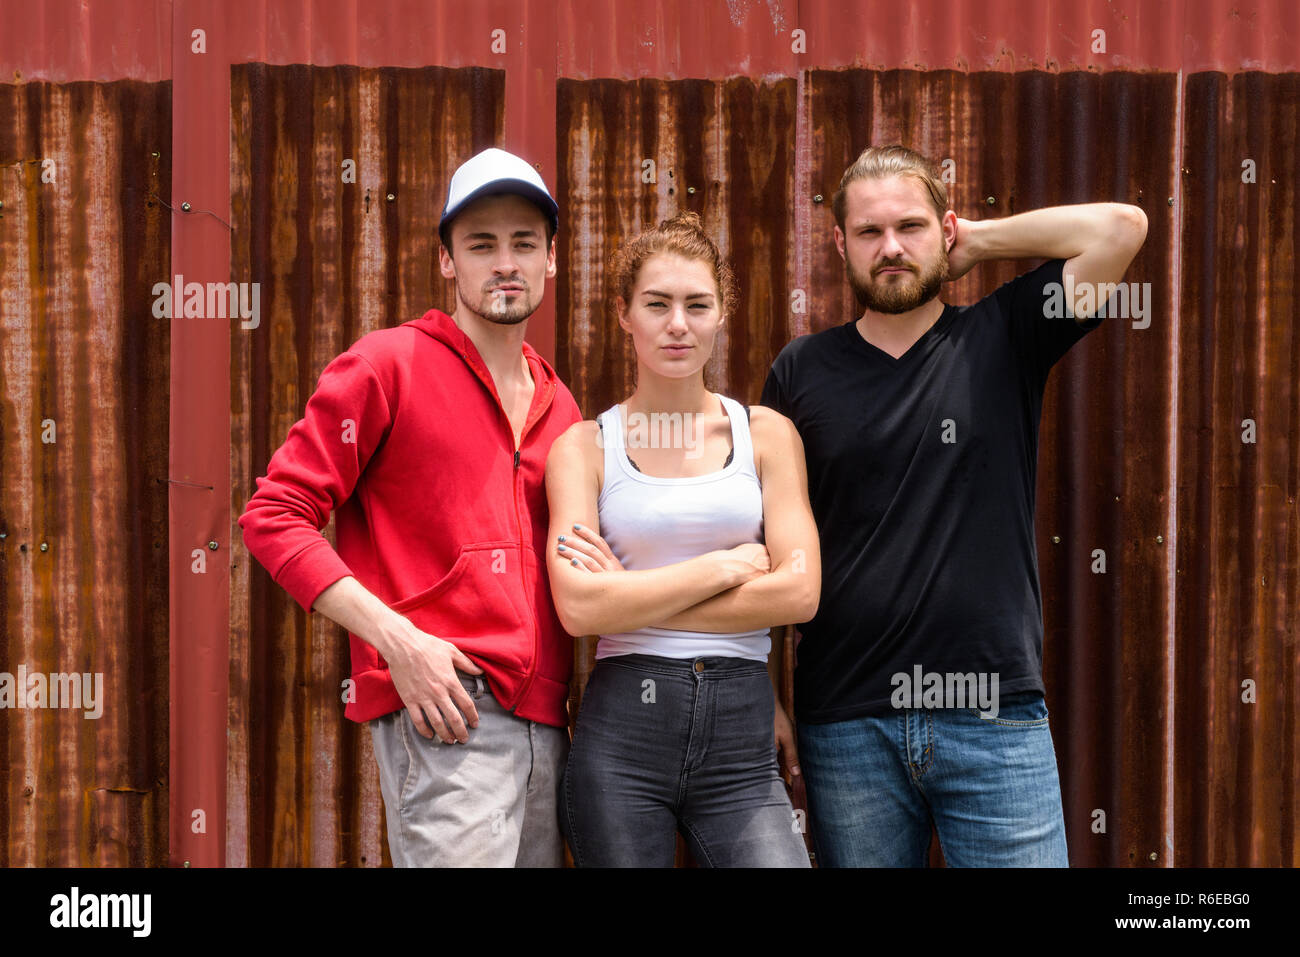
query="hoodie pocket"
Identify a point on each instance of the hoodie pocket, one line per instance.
(479, 606)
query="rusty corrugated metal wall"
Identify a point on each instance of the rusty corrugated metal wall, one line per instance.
(83, 468)
(1237, 352)
(1142, 441)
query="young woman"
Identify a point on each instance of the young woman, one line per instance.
(680, 533)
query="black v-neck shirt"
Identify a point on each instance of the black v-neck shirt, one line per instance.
(921, 473)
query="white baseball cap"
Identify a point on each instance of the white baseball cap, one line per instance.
(491, 172)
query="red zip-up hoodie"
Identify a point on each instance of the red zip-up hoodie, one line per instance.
(436, 512)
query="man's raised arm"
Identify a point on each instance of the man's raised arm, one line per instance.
(1097, 240)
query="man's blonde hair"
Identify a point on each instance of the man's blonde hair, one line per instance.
(882, 162)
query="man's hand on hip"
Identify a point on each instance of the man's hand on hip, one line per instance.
(424, 671)
(423, 667)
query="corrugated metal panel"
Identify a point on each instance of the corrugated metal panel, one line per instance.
(1238, 350)
(718, 148)
(83, 497)
(335, 261)
(679, 39)
(669, 39)
(1144, 664)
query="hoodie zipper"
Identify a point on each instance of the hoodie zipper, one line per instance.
(519, 520)
(523, 564)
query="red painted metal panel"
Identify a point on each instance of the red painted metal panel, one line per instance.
(199, 517)
(530, 125)
(677, 39)
(65, 40)
(670, 39)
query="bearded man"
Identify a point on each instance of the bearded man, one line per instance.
(919, 696)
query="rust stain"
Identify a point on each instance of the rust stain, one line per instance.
(83, 502)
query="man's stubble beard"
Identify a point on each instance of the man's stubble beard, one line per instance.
(509, 314)
(892, 299)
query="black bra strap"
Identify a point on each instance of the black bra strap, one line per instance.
(730, 455)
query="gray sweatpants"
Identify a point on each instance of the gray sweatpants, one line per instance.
(493, 802)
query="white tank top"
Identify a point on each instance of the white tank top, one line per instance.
(650, 522)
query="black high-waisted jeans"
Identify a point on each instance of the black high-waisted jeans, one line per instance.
(666, 744)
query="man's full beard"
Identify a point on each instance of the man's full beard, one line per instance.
(893, 297)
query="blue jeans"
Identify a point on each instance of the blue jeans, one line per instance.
(663, 744)
(989, 785)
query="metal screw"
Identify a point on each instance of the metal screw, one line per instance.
(187, 863)
(185, 207)
(44, 547)
(156, 154)
(817, 198)
(4, 534)
(2, 204)
(691, 190)
(212, 546)
(1171, 201)
(1152, 855)
(990, 200)
(1056, 539)
(1160, 539)
(391, 197)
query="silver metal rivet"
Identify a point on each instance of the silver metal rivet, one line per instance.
(1160, 539)
(45, 547)
(691, 190)
(1153, 856)
(990, 201)
(817, 198)
(1171, 201)
(391, 197)
(1056, 539)
(185, 207)
(212, 546)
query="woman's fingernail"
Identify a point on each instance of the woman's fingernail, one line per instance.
(561, 537)
(573, 561)
(577, 528)
(560, 548)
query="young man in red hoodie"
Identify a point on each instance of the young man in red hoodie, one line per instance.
(429, 441)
